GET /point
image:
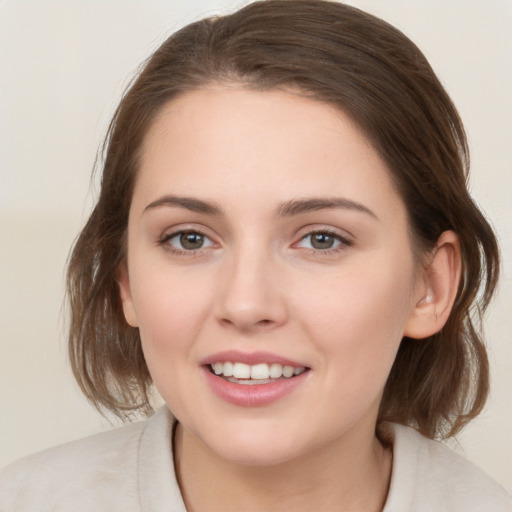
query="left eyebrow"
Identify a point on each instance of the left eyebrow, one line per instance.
(299, 206)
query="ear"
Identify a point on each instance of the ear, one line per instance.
(125, 292)
(439, 285)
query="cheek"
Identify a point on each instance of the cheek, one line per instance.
(358, 322)
(170, 320)
(171, 310)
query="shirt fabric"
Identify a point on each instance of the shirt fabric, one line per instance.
(130, 469)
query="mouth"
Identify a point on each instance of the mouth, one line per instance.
(254, 379)
(261, 373)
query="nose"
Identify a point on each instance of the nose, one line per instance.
(251, 297)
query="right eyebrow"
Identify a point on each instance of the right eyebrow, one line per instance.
(189, 203)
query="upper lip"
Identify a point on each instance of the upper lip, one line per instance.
(250, 358)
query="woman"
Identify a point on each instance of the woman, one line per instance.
(285, 247)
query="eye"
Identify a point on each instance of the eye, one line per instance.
(187, 241)
(322, 241)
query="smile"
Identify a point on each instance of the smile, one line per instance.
(253, 382)
(262, 373)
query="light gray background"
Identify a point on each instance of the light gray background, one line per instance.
(63, 67)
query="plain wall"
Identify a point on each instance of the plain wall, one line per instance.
(63, 67)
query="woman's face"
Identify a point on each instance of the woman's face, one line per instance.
(265, 237)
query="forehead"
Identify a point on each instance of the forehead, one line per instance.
(232, 143)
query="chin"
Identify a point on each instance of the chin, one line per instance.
(256, 455)
(254, 445)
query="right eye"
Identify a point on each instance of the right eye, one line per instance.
(185, 241)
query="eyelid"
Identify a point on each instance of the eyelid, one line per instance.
(174, 231)
(184, 227)
(337, 239)
(344, 239)
(186, 232)
(341, 234)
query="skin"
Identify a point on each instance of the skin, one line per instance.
(258, 284)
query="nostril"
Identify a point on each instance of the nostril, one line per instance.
(226, 321)
(247, 325)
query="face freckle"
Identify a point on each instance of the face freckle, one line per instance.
(264, 227)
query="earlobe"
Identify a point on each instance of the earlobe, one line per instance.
(441, 279)
(125, 293)
(426, 300)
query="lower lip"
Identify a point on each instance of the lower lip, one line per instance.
(254, 395)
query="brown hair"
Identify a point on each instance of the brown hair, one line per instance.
(335, 54)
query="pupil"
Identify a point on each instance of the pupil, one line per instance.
(322, 241)
(191, 240)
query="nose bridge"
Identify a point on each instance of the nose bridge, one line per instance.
(250, 296)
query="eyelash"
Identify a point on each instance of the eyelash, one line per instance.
(164, 241)
(343, 244)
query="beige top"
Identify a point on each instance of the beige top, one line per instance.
(130, 469)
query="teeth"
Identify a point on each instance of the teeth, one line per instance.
(261, 372)
(241, 371)
(227, 369)
(287, 371)
(276, 370)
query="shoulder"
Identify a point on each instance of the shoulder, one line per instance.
(76, 475)
(428, 476)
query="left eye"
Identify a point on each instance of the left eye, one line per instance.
(189, 241)
(320, 241)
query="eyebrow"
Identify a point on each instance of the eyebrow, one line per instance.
(285, 209)
(188, 203)
(299, 206)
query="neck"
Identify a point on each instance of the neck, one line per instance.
(349, 474)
